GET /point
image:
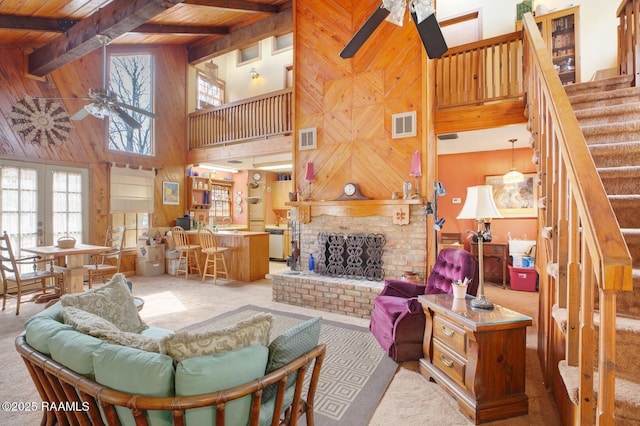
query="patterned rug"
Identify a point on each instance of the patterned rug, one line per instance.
(355, 373)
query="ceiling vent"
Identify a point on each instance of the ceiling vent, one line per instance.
(448, 136)
(307, 138)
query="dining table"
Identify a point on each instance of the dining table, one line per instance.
(73, 271)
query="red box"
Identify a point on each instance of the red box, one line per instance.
(523, 279)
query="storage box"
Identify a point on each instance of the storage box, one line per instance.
(523, 279)
(151, 253)
(149, 268)
(523, 261)
(171, 254)
(171, 266)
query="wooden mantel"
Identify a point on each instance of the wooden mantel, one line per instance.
(399, 210)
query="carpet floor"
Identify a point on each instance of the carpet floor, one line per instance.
(177, 303)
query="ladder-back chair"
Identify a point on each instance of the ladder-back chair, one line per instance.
(16, 283)
(188, 259)
(215, 255)
(107, 263)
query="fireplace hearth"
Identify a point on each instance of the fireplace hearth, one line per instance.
(354, 255)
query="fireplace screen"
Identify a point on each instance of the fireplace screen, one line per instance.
(356, 255)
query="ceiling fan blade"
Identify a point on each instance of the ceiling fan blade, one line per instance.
(81, 114)
(135, 109)
(431, 36)
(130, 121)
(364, 32)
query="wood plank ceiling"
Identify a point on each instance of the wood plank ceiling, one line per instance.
(57, 32)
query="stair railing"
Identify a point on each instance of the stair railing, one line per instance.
(587, 246)
(628, 43)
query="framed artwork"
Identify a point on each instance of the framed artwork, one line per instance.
(515, 200)
(170, 193)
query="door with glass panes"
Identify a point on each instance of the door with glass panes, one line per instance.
(40, 203)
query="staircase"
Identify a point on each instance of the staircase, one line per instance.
(608, 112)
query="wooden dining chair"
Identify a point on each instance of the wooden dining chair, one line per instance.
(215, 255)
(188, 259)
(16, 282)
(107, 263)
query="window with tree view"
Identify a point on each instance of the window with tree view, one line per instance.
(131, 79)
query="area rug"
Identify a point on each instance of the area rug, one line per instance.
(355, 373)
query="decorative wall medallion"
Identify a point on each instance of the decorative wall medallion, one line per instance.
(40, 121)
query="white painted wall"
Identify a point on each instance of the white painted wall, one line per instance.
(238, 82)
(598, 25)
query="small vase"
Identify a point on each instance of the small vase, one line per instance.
(459, 291)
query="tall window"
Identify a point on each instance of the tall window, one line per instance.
(131, 78)
(210, 91)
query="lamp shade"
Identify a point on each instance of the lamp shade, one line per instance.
(416, 165)
(310, 174)
(479, 204)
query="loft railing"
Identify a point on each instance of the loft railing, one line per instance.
(254, 118)
(628, 43)
(587, 247)
(484, 71)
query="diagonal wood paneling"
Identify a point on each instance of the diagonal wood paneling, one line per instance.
(356, 97)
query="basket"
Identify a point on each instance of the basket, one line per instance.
(66, 242)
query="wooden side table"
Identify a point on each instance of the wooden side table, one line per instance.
(476, 355)
(496, 250)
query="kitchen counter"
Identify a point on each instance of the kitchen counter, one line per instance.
(248, 257)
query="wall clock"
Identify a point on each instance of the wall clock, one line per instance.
(351, 191)
(257, 176)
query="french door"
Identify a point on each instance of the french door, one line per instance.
(40, 203)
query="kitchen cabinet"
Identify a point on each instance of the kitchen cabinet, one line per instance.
(211, 195)
(280, 194)
(560, 29)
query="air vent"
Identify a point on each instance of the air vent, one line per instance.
(404, 125)
(234, 161)
(307, 138)
(448, 136)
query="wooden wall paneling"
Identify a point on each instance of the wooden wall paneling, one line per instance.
(355, 98)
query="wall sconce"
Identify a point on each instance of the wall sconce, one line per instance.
(253, 73)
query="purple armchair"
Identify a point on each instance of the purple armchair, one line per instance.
(397, 319)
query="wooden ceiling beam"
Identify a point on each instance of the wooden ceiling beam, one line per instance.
(239, 5)
(16, 22)
(180, 29)
(113, 20)
(277, 24)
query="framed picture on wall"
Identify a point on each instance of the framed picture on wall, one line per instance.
(518, 200)
(171, 193)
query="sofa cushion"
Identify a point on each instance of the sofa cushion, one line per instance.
(183, 345)
(75, 351)
(136, 372)
(96, 326)
(290, 345)
(54, 312)
(40, 329)
(211, 373)
(112, 301)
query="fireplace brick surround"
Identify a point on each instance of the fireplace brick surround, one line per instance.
(405, 250)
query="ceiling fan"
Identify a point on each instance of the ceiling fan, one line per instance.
(423, 16)
(105, 102)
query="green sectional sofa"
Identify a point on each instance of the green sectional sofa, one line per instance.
(94, 361)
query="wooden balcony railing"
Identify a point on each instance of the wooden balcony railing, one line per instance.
(587, 247)
(476, 73)
(628, 42)
(253, 118)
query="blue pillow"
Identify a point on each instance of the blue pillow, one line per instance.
(291, 344)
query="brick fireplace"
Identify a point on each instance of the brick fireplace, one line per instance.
(404, 250)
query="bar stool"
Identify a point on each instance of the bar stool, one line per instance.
(214, 254)
(188, 252)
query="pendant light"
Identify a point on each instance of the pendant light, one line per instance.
(513, 177)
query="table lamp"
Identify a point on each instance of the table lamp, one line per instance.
(480, 206)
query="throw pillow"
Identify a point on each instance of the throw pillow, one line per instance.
(183, 345)
(290, 345)
(112, 301)
(96, 326)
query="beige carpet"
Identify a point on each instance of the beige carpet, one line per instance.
(176, 303)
